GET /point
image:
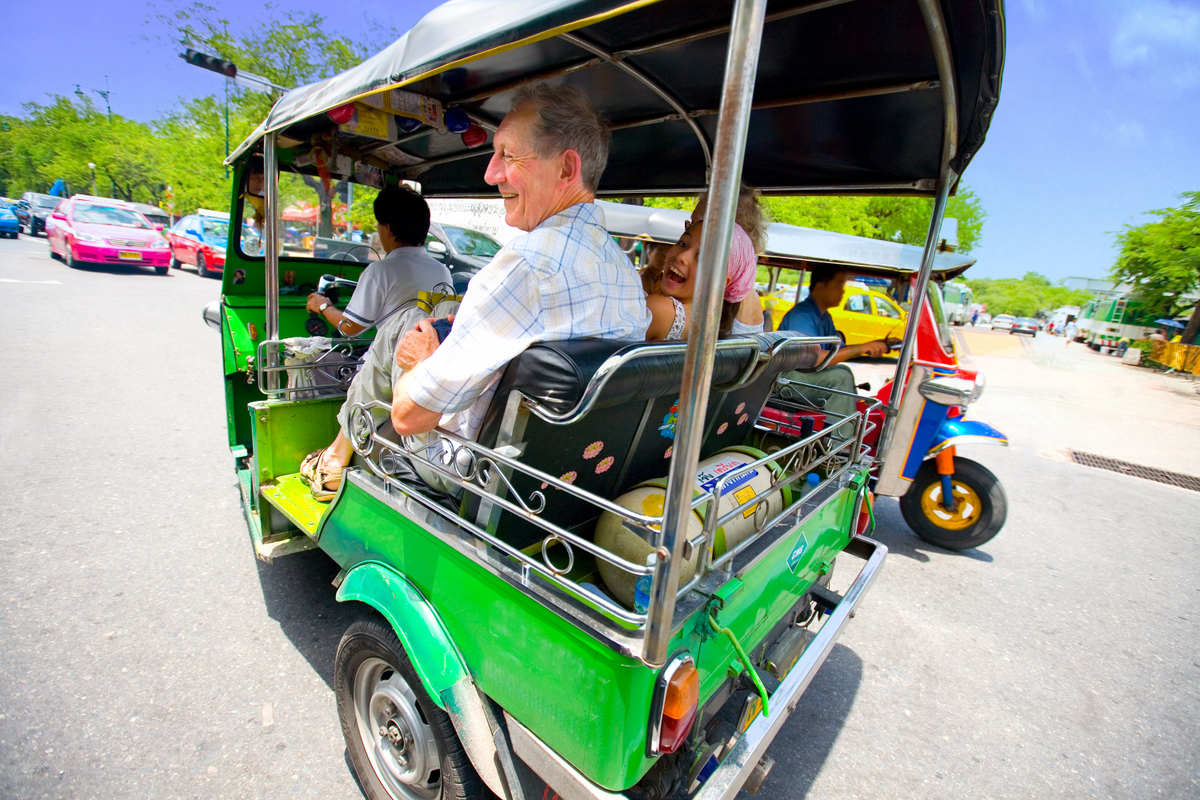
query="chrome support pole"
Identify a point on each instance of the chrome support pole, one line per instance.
(741, 66)
(935, 25)
(271, 248)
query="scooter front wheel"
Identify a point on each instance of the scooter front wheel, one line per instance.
(981, 506)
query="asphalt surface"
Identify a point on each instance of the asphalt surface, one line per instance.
(145, 652)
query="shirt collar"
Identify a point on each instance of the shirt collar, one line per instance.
(583, 212)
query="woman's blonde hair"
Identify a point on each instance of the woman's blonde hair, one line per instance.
(752, 214)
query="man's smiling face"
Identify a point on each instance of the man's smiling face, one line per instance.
(529, 185)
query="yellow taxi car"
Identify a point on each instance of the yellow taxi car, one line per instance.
(865, 314)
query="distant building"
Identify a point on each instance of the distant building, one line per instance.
(1100, 288)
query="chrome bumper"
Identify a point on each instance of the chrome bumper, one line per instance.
(737, 765)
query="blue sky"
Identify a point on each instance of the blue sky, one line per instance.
(1099, 117)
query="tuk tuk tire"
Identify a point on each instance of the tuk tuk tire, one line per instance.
(365, 643)
(201, 268)
(993, 509)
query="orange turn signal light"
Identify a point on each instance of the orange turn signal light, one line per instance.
(683, 692)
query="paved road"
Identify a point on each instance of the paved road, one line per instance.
(145, 653)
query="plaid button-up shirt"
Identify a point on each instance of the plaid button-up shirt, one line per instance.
(565, 279)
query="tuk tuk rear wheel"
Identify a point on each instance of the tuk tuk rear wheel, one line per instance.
(982, 506)
(402, 746)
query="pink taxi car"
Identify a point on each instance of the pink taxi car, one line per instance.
(106, 231)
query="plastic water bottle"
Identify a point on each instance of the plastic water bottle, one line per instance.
(641, 589)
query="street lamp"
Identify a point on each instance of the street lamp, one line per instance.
(92, 167)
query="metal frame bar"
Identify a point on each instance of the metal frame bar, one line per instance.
(651, 84)
(271, 244)
(741, 66)
(607, 615)
(935, 24)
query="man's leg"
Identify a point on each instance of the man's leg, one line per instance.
(817, 386)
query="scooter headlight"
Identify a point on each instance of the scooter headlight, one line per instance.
(980, 383)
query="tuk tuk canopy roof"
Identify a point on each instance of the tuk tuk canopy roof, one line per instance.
(793, 247)
(847, 98)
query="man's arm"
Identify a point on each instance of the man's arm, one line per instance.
(332, 314)
(874, 349)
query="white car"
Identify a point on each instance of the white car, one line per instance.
(1003, 322)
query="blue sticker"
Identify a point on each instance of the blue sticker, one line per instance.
(667, 429)
(797, 553)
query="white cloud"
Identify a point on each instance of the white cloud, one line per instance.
(1162, 37)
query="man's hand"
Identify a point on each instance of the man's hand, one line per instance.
(315, 301)
(416, 345)
(875, 349)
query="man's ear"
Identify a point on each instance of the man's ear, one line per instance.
(572, 166)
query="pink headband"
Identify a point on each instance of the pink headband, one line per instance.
(743, 266)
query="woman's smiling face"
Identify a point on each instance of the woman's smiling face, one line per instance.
(679, 276)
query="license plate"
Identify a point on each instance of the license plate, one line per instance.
(132, 255)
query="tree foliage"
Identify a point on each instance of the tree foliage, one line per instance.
(1161, 259)
(1029, 296)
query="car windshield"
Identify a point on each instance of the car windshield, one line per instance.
(472, 243)
(216, 228)
(107, 215)
(45, 202)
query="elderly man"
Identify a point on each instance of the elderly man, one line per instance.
(565, 279)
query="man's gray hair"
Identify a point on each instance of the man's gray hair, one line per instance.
(568, 121)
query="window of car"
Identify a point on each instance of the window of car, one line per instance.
(859, 304)
(215, 228)
(885, 308)
(472, 243)
(110, 215)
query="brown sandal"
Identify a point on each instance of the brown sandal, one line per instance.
(319, 476)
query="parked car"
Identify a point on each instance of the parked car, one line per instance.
(32, 210)
(1024, 325)
(462, 250)
(1002, 322)
(159, 218)
(101, 229)
(8, 219)
(199, 239)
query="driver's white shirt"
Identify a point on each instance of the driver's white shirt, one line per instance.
(392, 281)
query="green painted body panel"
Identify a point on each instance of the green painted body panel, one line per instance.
(416, 622)
(583, 699)
(286, 431)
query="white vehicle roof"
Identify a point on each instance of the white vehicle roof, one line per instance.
(206, 212)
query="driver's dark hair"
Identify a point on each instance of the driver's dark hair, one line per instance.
(822, 273)
(405, 213)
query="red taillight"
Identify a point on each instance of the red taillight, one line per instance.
(676, 699)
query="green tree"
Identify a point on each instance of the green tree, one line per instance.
(906, 219)
(1029, 296)
(1161, 259)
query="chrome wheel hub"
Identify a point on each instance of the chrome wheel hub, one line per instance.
(396, 737)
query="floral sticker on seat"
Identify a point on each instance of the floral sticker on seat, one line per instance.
(670, 450)
(742, 419)
(593, 450)
(569, 477)
(724, 427)
(604, 464)
(667, 429)
(741, 407)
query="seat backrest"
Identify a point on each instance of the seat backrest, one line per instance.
(619, 403)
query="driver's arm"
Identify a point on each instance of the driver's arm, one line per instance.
(874, 349)
(333, 315)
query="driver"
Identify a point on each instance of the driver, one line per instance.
(566, 278)
(811, 317)
(403, 219)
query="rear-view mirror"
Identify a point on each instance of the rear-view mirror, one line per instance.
(159, 227)
(58, 215)
(436, 248)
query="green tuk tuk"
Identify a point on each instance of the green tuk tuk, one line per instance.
(507, 646)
